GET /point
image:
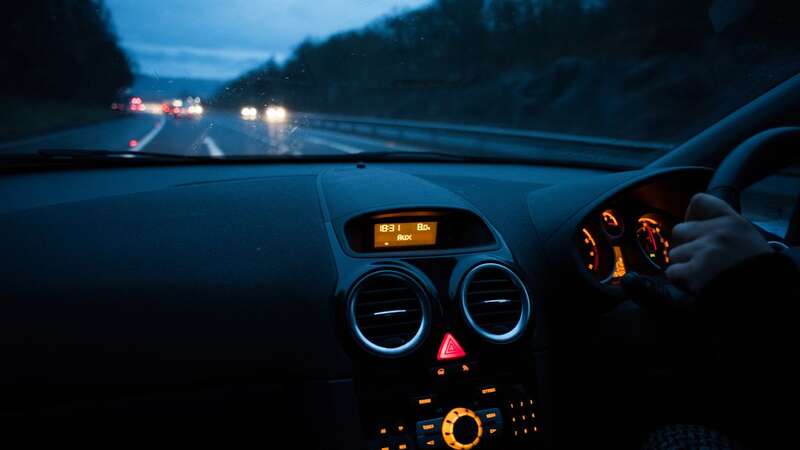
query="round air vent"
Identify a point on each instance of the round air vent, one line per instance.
(495, 302)
(389, 313)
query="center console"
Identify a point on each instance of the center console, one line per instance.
(439, 323)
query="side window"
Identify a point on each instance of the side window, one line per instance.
(771, 202)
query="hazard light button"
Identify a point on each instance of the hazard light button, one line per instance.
(450, 349)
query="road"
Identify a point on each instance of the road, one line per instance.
(215, 134)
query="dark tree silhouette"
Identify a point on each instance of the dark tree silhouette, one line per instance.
(634, 68)
(61, 50)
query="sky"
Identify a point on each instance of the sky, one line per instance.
(220, 39)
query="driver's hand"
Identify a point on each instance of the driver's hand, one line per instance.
(713, 238)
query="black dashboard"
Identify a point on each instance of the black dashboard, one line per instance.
(383, 306)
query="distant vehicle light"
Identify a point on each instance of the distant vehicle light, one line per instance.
(133, 143)
(276, 114)
(195, 109)
(177, 103)
(249, 112)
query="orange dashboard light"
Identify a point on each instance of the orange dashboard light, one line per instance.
(440, 371)
(608, 216)
(424, 401)
(491, 415)
(619, 264)
(465, 368)
(428, 426)
(450, 349)
(489, 390)
(402, 447)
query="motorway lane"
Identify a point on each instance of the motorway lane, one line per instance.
(216, 134)
(220, 134)
(114, 134)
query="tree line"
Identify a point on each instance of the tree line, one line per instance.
(61, 50)
(530, 63)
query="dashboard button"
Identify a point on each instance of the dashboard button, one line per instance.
(426, 402)
(488, 390)
(429, 427)
(492, 420)
(440, 372)
(432, 441)
(467, 368)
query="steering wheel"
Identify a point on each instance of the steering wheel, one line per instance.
(762, 155)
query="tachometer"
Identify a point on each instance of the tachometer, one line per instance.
(651, 240)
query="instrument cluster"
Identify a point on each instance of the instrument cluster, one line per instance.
(619, 240)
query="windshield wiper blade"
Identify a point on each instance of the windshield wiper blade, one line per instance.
(414, 155)
(111, 154)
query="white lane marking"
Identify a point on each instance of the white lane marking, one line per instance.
(150, 136)
(213, 148)
(335, 145)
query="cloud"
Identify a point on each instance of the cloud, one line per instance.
(221, 39)
(196, 62)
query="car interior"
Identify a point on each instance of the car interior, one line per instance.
(364, 303)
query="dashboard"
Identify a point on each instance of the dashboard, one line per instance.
(460, 311)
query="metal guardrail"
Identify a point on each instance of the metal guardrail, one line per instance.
(542, 146)
(489, 131)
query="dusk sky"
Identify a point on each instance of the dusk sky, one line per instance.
(220, 39)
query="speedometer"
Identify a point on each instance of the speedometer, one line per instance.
(649, 236)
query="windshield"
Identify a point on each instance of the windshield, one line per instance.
(616, 82)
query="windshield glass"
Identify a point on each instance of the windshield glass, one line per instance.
(616, 82)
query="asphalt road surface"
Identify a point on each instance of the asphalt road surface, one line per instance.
(214, 134)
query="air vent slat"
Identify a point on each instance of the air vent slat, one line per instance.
(388, 312)
(490, 292)
(495, 302)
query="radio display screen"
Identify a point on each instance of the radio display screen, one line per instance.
(405, 234)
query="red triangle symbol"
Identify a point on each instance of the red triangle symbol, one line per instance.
(450, 349)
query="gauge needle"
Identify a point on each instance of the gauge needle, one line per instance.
(652, 238)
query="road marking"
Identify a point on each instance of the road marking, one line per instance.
(150, 136)
(213, 148)
(334, 145)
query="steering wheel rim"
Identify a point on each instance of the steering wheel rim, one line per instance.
(754, 159)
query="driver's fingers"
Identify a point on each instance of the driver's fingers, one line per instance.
(683, 253)
(680, 274)
(689, 231)
(705, 206)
